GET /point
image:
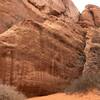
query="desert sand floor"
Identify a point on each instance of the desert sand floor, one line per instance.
(62, 96)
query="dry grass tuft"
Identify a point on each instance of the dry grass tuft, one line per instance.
(10, 93)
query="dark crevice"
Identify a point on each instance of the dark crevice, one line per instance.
(36, 6)
(92, 14)
(85, 52)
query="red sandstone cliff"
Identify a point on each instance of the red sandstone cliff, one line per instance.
(46, 44)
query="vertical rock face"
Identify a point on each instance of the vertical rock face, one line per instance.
(40, 58)
(43, 48)
(90, 19)
(92, 51)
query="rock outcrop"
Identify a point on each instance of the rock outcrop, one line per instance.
(60, 8)
(90, 19)
(42, 44)
(90, 16)
(48, 53)
(35, 52)
(92, 51)
(13, 11)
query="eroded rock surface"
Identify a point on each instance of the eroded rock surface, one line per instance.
(13, 11)
(42, 48)
(40, 58)
(90, 16)
(90, 19)
(60, 8)
(92, 51)
(40, 55)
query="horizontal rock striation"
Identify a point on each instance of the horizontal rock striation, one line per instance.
(48, 53)
(42, 51)
(42, 44)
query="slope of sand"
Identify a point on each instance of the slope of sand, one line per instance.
(62, 96)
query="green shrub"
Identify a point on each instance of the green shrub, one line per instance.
(10, 93)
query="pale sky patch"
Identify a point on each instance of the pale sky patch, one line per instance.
(81, 3)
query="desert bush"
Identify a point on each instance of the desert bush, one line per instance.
(10, 93)
(84, 84)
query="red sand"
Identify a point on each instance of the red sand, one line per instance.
(62, 96)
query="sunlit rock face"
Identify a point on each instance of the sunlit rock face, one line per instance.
(90, 16)
(86, 19)
(60, 8)
(13, 11)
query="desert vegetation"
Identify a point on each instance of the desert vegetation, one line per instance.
(84, 84)
(10, 93)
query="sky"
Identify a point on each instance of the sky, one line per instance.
(81, 3)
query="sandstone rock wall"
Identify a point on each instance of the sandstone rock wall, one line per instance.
(90, 16)
(60, 8)
(13, 11)
(34, 54)
(92, 52)
(42, 44)
(90, 19)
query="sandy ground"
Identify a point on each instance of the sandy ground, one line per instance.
(62, 96)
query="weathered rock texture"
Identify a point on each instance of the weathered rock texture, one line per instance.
(42, 54)
(90, 16)
(34, 54)
(13, 11)
(43, 48)
(92, 51)
(60, 8)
